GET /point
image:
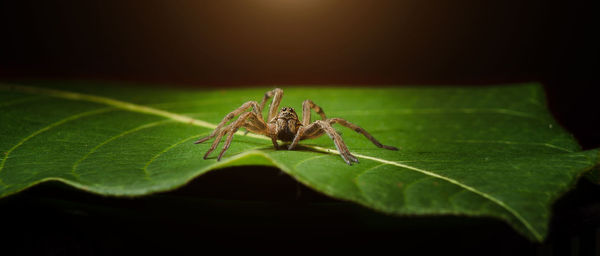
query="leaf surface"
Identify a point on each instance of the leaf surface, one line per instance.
(493, 151)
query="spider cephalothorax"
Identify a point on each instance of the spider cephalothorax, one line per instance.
(287, 124)
(284, 125)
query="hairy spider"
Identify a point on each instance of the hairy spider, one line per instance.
(284, 126)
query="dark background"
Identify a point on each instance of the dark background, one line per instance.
(275, 42)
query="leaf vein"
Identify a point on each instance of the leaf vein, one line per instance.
(20, 100)
(141, 127)
(369, 169)
(515, 143)
(407, 185)
(48, 127)
(465, 186)
(167, 149)
(308, 159)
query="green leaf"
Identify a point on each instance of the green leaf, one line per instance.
(493, 151)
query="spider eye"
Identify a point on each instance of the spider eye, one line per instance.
(283, 109)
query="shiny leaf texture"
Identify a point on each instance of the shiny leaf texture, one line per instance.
(490, 151)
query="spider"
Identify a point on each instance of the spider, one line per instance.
(284, 126)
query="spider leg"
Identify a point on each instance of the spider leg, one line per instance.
(276, 94)
(337, 140)
(275, 145)
(310, 131)
(299, 135)
(360, 130)
(217, 140)
(306, 127)
(306, 106)
(231, 115)
(259, 127)
(234, 127)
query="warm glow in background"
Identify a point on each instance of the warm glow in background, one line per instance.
(267, 42)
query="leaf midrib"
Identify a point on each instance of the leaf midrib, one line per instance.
(201, 123)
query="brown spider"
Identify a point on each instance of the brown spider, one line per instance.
(284, 126)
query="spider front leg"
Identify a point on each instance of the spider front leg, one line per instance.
(234, 127)
(360, 130)
(307, 105)
(317, 128)
(275, 145)
(217, 140)
(250, 104)
(248, 120)
(276, 94)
